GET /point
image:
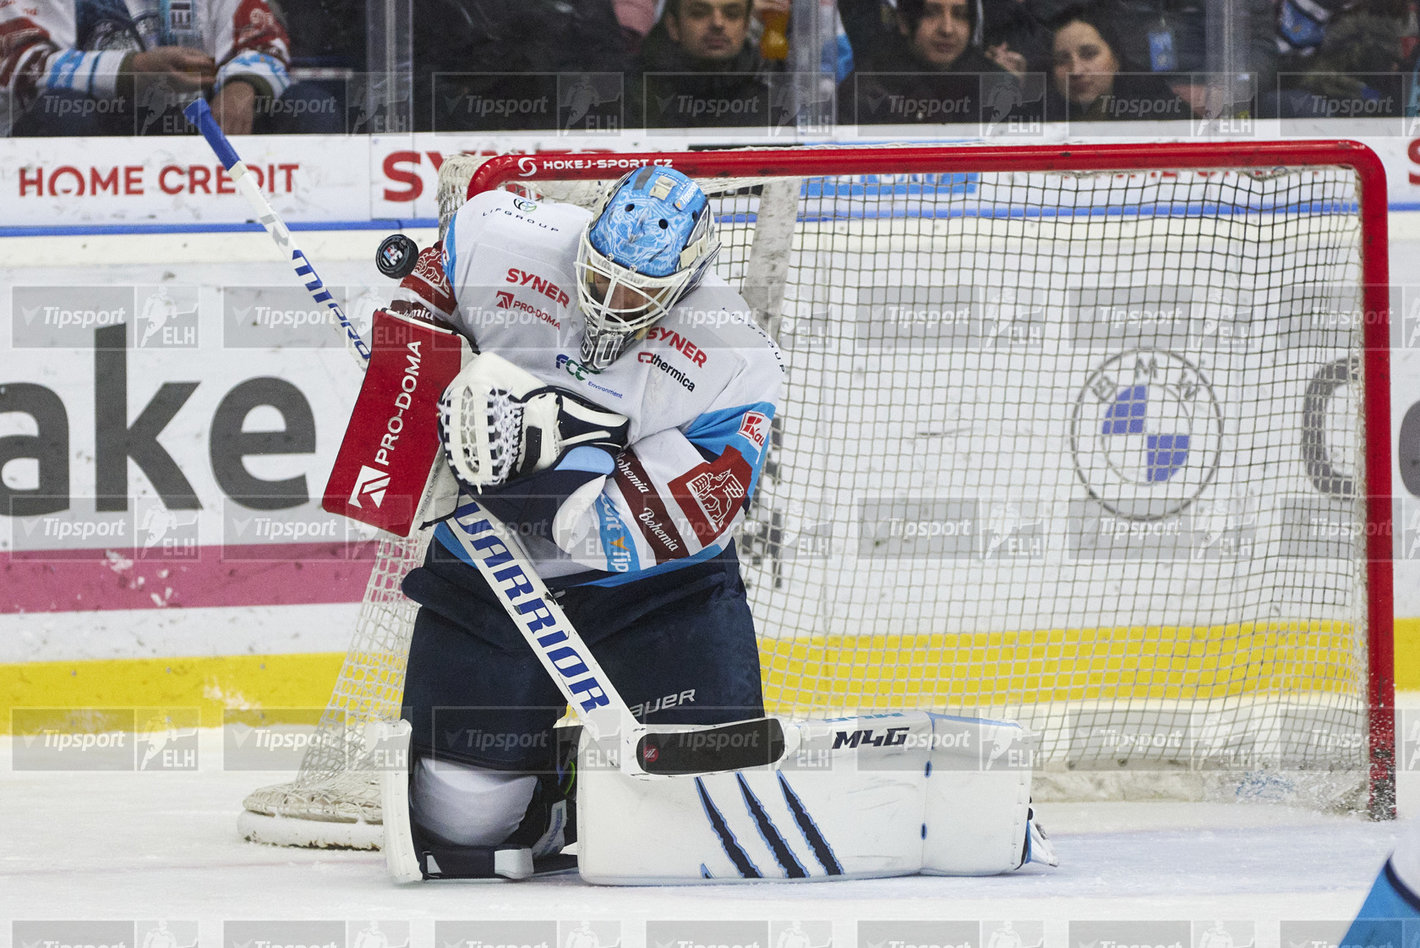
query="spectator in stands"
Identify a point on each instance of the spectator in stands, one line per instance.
(1354, 73)
(931, 68)
(699, 68)
(1169, 38)
(494, 65)
(76, 68)
(1087, 82)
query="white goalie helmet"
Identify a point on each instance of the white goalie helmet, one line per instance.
(649, 244)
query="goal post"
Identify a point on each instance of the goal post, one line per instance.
(1096, 437)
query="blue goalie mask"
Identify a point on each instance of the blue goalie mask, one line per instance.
(650, 243)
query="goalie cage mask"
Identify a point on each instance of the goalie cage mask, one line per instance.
(649, 244)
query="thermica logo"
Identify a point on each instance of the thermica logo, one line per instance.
(370, 482)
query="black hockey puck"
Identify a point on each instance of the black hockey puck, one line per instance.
(397, 256)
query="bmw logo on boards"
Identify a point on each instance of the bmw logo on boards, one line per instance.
(1146, 434)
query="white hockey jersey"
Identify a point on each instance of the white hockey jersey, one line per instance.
(80, 45)
(700, 391)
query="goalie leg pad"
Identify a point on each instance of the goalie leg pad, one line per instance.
(881, 795)
(410, 855)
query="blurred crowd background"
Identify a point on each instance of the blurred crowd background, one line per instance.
(123, 67)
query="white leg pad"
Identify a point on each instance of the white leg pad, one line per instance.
(881, 795)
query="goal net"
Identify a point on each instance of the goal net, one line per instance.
(1091, 438)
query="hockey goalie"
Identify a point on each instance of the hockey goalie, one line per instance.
(610, 403)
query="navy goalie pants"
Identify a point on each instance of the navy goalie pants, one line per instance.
(679, 647)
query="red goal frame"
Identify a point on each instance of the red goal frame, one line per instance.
(1163, 157)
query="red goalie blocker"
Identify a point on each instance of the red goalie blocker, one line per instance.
(391, 447)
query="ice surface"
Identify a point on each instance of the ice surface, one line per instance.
(163, 845)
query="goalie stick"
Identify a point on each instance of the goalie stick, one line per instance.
(507, 568)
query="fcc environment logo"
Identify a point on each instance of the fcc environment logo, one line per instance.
(1146, 434)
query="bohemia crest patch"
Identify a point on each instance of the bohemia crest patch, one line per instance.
(710, 495)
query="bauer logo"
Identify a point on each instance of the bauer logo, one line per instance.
(276, 739)
(73, 738)
(1130, 934)
(526, 933)
(928, 527)
(687, 933)
(919, 934)
(270, 317)
(66, 316)
(590, 101)
(283, 933)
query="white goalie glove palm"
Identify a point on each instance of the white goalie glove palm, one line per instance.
(499, 422)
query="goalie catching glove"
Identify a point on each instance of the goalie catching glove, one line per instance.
(498, 422)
